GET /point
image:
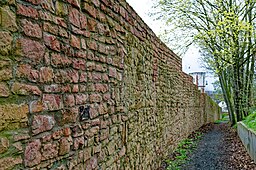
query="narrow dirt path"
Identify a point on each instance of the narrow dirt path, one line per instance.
(219, 149)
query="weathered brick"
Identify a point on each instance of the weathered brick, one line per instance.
(36, 106)
(79, 143)
(87, 153)
(49, 151)
(59, 60)
(74, 17)
(27, 11)
(25, 71)
(25, 89)
(51, 28)
(4, 144)
(91, 25)
(92, 45)
(4, 90)
(35, 2)
(83, 77)
(5, 42)
(90, 10)
(93, 112)
(48, 5)
(10, 162)
(95, 98)
(52, 42)
(31, 29)
(69, 116)
(75, 41)
(83, 21)
(46, 74)
(76, 3)
(81, 99)
(53, 101)
(69, 100)
(112, 72)
(32, 155)
(31, 49)
(42, 123)
(93, 163)
(79, 64)
(102, 88)
(64, 147)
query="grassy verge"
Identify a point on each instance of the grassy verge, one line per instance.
(224, 118)
(250, 121)
(180, 155)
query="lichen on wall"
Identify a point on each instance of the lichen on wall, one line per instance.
(85, 84)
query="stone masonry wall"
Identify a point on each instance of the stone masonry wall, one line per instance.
(85, 84)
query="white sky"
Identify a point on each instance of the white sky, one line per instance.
(190, 61)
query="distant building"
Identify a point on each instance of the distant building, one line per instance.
(199, 80)
(223, 106)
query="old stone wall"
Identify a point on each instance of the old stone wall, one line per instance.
(85, 84)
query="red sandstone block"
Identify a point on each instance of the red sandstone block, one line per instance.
(36, 106)
(51, 28)
(92, 25)
(107, 97)
(25, 71)
(31, 29)
(102, 88)
(66, 132)
(44, 15)
(27, 11)
(52, 101)
(32, 155)
(64, 147)
(68, 116)
(75, 41)
(83, 77)
(25, 89)
(76, 3)
(74, 17)
(35, 2)
(63, 32)
(46, 74)
(81, 99)
(58, 60)
(31, 49)
(48, 5)
(69, 100)
(42, 123)
(103, 109)
(83, 21)
(78, 143)
(92, 45)
(93, 112)
(73, 75)
(75, 88)
(49, 151)
(91, 10)
(95, 98)
(79, 64)
(112, 72)
(52, 42)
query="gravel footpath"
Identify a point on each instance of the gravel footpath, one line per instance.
(220, 149)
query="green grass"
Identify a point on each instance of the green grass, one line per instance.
(250, 121)
(181, 153)
(224, 118)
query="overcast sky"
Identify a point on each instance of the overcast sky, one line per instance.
(190, 61)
